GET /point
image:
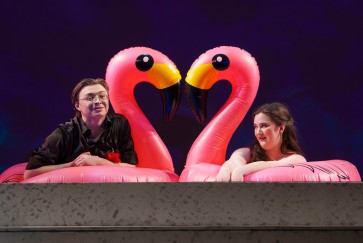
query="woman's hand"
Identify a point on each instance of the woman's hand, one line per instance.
(238, 158)
(224, 174)
(238, 173)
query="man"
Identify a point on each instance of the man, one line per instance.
(92, 137)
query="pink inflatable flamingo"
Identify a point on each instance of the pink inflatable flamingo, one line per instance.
(240, 69)
(128, 68)
(208, 151)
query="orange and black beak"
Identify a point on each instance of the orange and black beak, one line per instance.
(199, 81)
(166, 79)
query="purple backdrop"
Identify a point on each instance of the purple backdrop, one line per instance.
(310, 57)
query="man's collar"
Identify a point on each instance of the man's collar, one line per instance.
(86, 131)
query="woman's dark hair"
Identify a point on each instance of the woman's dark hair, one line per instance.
(280, 115)
(83, 83)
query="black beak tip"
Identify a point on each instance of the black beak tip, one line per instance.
(171, 99)
(168, 117)
(197, 100)
(201, 120)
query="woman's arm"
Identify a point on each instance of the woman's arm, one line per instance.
(240, 171)
(238, 158)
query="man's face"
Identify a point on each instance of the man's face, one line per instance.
(93, 102)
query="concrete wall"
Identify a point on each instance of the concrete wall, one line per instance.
(182, 212)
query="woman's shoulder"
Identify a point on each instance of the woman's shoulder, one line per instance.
(295, 156)
(290, 153)
(244, 152)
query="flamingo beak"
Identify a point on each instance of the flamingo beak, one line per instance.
(198, 82)
(171, 100)
(197, 100)
(166, 78)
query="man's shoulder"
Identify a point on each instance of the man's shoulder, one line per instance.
(116, 116)
(63, 131)
(69, 126)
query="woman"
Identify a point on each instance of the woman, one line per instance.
(275, 145)
(92, 137)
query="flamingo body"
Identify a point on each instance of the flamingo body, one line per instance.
(122, 76)
(243, 74)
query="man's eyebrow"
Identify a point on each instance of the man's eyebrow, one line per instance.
(88, 94)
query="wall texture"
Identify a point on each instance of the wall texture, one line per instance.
(182, 212)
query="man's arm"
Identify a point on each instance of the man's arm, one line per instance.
(86, 159)
(43, 159)
(44, 169)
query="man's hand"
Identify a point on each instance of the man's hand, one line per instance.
(86, 159)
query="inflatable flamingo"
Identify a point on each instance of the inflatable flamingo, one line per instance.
(125, 70)
(13, 174)
(128, 68)
(208, 151)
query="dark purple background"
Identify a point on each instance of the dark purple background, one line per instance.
(310, 55)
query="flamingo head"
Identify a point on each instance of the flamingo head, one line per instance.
(141, 64)
(221, 63)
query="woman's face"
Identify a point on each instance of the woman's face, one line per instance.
(93, 102)
(268, 134)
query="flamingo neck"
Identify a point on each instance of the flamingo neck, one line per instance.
(211, 145)
(152, 151)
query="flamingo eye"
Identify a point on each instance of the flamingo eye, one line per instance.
(144, 62)
(220, 62)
